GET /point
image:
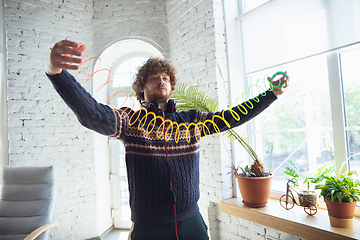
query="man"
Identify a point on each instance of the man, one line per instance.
(162, 145)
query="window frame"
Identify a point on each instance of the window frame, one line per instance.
(337, 104)
(234, 35)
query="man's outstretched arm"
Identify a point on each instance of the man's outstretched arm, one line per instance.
(91, 114)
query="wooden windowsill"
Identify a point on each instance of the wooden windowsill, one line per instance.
(294, 221)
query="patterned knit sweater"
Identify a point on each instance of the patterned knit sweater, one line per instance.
(147, 154)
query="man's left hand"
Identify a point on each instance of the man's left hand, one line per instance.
(279, 86)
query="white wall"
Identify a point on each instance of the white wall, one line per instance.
(117, 20)
(42, 129)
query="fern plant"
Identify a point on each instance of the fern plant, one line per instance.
(192, 98)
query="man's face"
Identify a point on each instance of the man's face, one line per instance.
(157, 87)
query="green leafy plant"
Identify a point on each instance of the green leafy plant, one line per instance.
(245, 172)
(292, 172)
(340, 189)
(188, 98)
(322, 171)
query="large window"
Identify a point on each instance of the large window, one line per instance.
(318, 43)
(297, 127)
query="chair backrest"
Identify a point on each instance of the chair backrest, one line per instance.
(27, 200)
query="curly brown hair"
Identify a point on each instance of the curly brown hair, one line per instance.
(153, 66)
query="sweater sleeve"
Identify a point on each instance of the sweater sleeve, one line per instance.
(239, 114)
(91, 114)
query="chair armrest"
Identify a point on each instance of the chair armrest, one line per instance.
(40, 230)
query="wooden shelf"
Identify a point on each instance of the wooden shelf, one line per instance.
(294, 221)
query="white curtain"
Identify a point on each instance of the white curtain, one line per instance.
(285, 30)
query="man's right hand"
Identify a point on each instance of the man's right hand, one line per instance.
(65, 54)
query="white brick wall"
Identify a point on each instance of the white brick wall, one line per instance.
(117, 20)
(42, 129)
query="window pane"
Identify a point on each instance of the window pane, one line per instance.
(122, 79)
(135, 62)
(350, 62)
(123, 67)
(122, 166)
(298, 125)
(251, 4)
(121, 75)
(125, 206)
(124, 192)
(124, 74)
(353, 141)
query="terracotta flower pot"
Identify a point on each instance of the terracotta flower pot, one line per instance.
(340, 214)
(255, 191)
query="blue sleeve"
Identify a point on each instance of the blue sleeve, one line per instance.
(239, 114)
(91, 114)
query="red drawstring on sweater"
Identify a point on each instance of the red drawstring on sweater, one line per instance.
(171, 187)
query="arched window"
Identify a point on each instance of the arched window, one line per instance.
(122, 58)
(123, 75)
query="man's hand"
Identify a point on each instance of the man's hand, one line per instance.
(279, 85)
(64, 55)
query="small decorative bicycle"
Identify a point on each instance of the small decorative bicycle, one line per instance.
(306, 200)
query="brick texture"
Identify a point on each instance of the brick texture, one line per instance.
(42, 129)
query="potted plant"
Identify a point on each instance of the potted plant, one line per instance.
(254, 182)
(340, 194)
